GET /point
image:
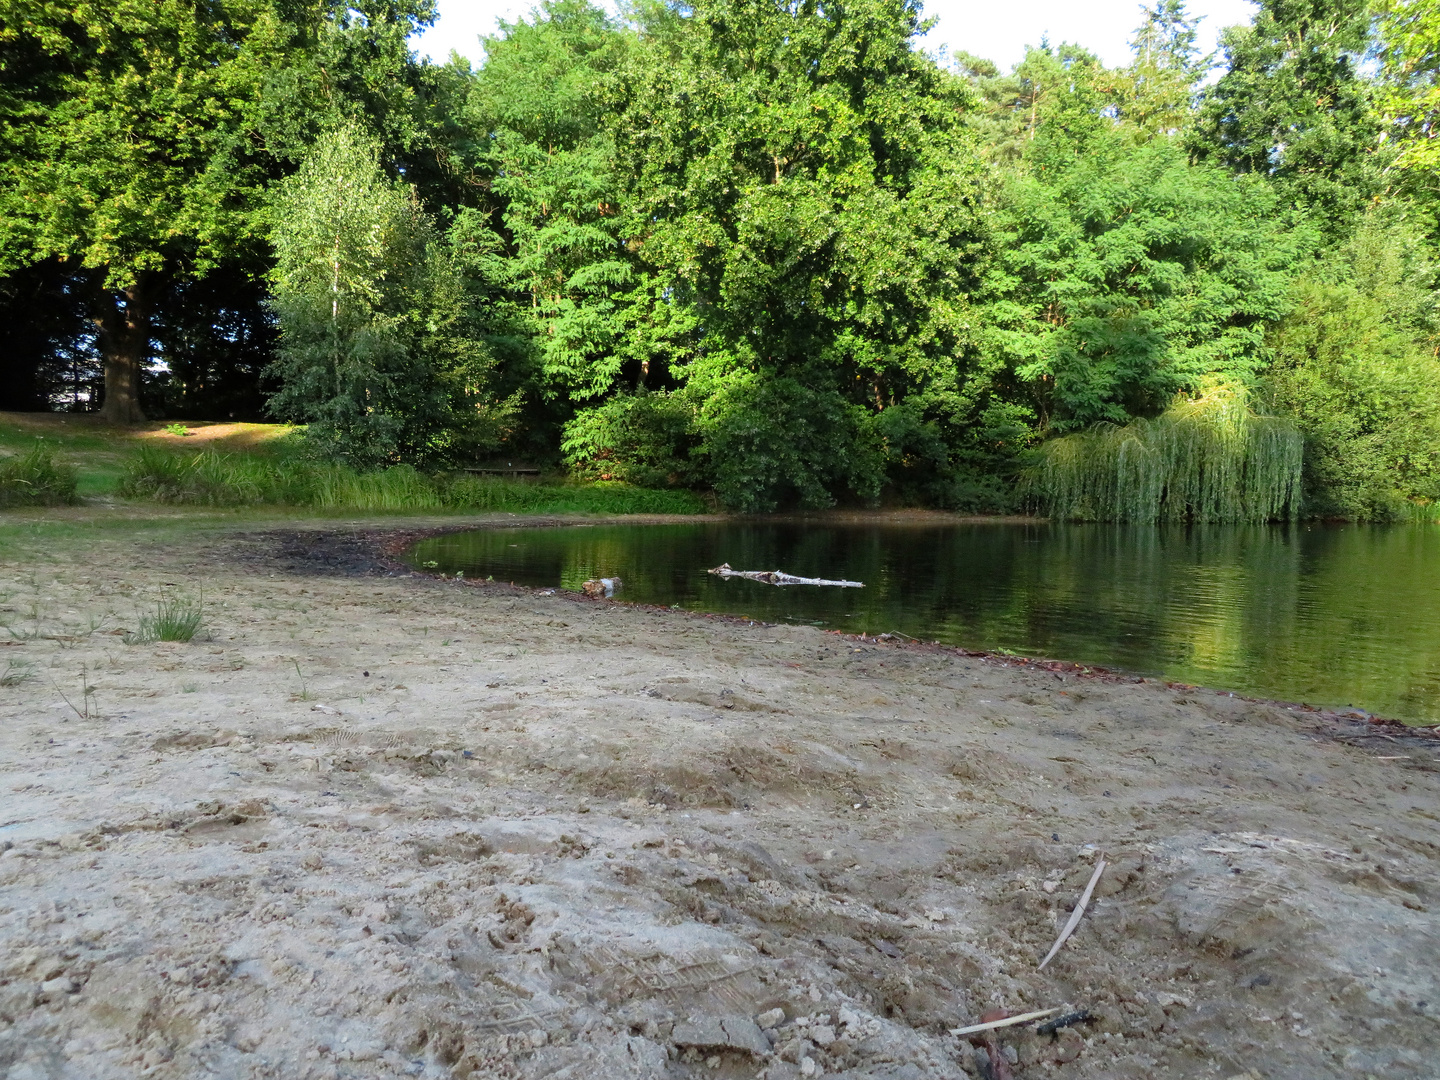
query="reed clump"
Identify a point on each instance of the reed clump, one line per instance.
(35, 478)
(1207, 458)
(213, 478)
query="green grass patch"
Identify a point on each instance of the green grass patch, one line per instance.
(35, 478)
(214, 478)
(176, 618)
(99, 451)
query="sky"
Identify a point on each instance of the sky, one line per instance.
(997, 30)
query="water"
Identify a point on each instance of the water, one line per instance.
(1329, 615)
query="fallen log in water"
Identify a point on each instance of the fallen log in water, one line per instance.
(776, 577)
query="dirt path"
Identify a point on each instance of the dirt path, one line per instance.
(383, 826)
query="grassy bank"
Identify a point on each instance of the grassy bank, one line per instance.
(51, 459)
(215, 478)
(98, 452)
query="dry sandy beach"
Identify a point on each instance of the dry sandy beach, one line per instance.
(372, 824)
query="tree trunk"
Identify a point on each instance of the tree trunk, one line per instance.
(124, 348)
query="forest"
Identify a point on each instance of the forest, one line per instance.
(770, 250)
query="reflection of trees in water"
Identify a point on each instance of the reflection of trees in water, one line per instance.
(1371, 607)
(1333, 615)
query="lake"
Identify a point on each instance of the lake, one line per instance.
(1327, 615)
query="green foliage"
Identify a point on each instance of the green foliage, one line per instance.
(176, 618)
(767, 248)
(1207, 458)
(538, 111)
(1355, 367)
(771, 442)
(377, 356)
(35, 478)
(1409, 95)
(1065, 88)
(1125, 274)
(642, 438)
(208, 478)
(801, 200)
(139, 135)
(1294, 108)
(1158, 88)
(475, 495)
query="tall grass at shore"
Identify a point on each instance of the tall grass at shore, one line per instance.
(211, 478)
(34, 478)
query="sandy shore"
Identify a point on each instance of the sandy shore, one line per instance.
(378, 826)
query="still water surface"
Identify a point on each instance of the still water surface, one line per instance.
(1346, 615)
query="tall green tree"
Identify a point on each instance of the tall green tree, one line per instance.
(1158, 87)
(1355, 367)
(1061, 85)
(538, 111)
(378, 354)
(138, 137)
(802, 201)
(1294, 107)
(1124, 274)
(1121, 273)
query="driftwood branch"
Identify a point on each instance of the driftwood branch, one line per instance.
(1009, 1021)
(1075, 916)
(776, 577)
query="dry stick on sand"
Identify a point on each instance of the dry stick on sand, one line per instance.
(1009, 1021)
(1075, 916)
(777, 577)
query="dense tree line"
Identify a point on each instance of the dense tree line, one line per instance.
(767, 247)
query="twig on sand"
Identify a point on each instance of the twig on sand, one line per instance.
(1009, 1021)
(1075, 916)
(777, 577)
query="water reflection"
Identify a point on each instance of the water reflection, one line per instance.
(1344, 615)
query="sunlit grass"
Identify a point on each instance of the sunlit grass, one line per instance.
(213, 478)
(248, 466)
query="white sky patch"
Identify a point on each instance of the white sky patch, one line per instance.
(995, 31)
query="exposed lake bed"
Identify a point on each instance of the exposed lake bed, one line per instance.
(1336, 616)
(497, 833)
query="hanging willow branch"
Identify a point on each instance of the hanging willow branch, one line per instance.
(1207, 458)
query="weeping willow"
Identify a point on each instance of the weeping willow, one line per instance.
(1206, 458)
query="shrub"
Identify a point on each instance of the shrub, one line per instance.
(36, 479)
(642, 438)
(474, 494)
(207, 478)
(777, 441)
(401, 488)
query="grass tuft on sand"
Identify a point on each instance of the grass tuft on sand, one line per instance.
(176, 618)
